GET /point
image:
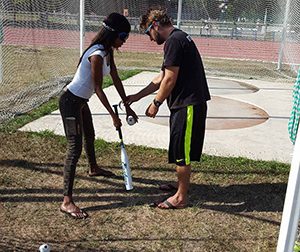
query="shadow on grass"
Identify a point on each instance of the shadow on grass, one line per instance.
(22, 244)
(238, 199)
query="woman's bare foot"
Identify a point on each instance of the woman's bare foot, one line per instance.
(73, 211)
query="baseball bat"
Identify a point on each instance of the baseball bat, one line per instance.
(124, 158)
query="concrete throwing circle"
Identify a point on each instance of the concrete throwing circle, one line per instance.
(226, 113)
(223, 87)
(223, 113)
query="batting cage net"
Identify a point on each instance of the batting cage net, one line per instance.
(40, 41)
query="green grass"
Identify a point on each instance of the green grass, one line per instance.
(236, 203)
(19, 121)
(27, 66)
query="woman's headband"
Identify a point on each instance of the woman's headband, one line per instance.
(122, 35)
(108, 27)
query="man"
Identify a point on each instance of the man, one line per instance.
(183, 83)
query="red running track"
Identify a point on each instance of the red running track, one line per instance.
(208, 47)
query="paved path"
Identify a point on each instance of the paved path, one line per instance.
(246, 118)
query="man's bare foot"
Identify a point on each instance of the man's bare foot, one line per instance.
(172, 202)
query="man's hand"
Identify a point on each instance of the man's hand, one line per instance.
(151, 110)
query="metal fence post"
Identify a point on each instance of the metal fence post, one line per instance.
(1, 40)
(82, 28)
(179, 12)
(283, 36)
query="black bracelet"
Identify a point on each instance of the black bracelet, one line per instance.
(156, 103)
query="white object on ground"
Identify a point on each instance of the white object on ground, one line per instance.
(45, 248)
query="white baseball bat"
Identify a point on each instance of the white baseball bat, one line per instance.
(124, 159)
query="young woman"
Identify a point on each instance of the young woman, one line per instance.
(96, 62)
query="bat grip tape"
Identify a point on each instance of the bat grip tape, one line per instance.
(119, 129)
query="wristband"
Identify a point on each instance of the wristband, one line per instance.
(156, 103)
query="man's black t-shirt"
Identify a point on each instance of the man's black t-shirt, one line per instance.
(191, 85)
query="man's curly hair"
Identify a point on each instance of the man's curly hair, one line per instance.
(159, 15)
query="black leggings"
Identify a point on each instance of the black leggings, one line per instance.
(77, 121)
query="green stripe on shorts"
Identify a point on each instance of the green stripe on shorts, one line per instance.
(188, 134)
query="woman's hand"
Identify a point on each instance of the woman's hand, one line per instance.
(116, 121)
(131, 99)
(130, 112)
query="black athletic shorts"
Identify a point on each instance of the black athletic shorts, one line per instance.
(187, 128)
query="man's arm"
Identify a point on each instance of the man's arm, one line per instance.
(167, 84)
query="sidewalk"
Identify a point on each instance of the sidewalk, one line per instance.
(246, 118)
